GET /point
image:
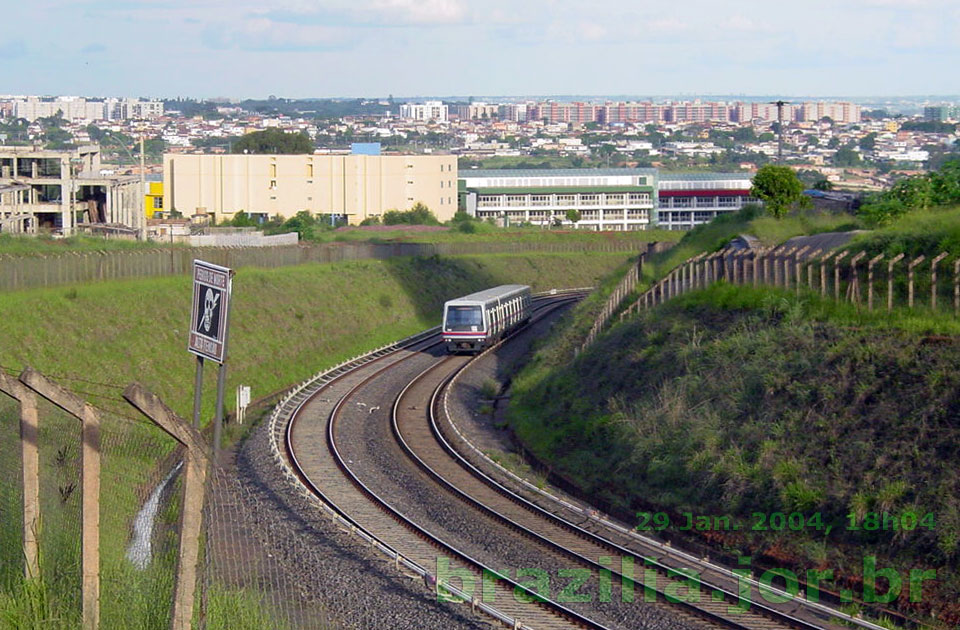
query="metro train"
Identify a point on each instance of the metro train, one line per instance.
(477, 321)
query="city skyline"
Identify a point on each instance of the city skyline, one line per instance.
(373, 48)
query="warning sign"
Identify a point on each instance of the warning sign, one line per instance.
(211, 298)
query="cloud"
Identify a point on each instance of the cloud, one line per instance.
(421, 11)
(373, 13)
(744, 24)
(13, 49)
(264, 34)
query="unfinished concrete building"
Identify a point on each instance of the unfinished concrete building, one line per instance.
(65, 192)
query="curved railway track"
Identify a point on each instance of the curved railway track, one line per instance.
(323, 447)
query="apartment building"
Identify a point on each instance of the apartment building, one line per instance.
(431, 110)
(357, 186)
(79, 108)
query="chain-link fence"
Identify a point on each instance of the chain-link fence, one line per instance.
(44, 270)
(245, 578)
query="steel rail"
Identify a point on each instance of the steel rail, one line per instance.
(667, 550)
(295, 470)
(665, 570)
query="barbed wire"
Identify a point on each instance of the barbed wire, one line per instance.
(64, 377)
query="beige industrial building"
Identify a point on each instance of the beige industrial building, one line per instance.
(358, 186)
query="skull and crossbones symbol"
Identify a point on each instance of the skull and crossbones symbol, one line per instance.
(210, 301)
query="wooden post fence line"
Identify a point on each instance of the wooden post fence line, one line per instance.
(745, 267)
(90, 486)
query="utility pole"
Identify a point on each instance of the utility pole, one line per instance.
(143, 192)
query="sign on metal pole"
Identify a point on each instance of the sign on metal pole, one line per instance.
(208, 325)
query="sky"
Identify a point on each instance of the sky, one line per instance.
(409, 48)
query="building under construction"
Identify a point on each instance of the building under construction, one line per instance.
(65, 192)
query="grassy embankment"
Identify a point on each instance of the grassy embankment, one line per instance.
(16, 245)
(735, 401)
(287, 324)
(484, 233)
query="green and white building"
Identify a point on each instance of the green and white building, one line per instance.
(606, 199)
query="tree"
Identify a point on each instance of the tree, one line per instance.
(419, 214)
(273, 141)
(778, 187)
(881, 211)
(573, 216)
(242, 219)
(823, 184)
(302, 223)
(845, 156)
(869, 142)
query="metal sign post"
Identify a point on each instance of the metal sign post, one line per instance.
(209, 324)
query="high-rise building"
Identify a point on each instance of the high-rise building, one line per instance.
(79, 108)
(430, 111)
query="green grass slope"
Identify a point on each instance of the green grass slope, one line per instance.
(95, 339)
(735, 401)
(287, 323)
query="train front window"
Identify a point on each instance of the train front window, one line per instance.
(464, 318)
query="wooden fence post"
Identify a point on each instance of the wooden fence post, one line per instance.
(798, 265)
(854, 289)
(757, 255)
(933, 279)
(836, 274)
(90, 484)
(823, 274)
(956, 287)
(893, 261)
(873, 261)
(196, 469)
(811, 258)
(30, 462)
(910, 276)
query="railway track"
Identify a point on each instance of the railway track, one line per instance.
(328, 415)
